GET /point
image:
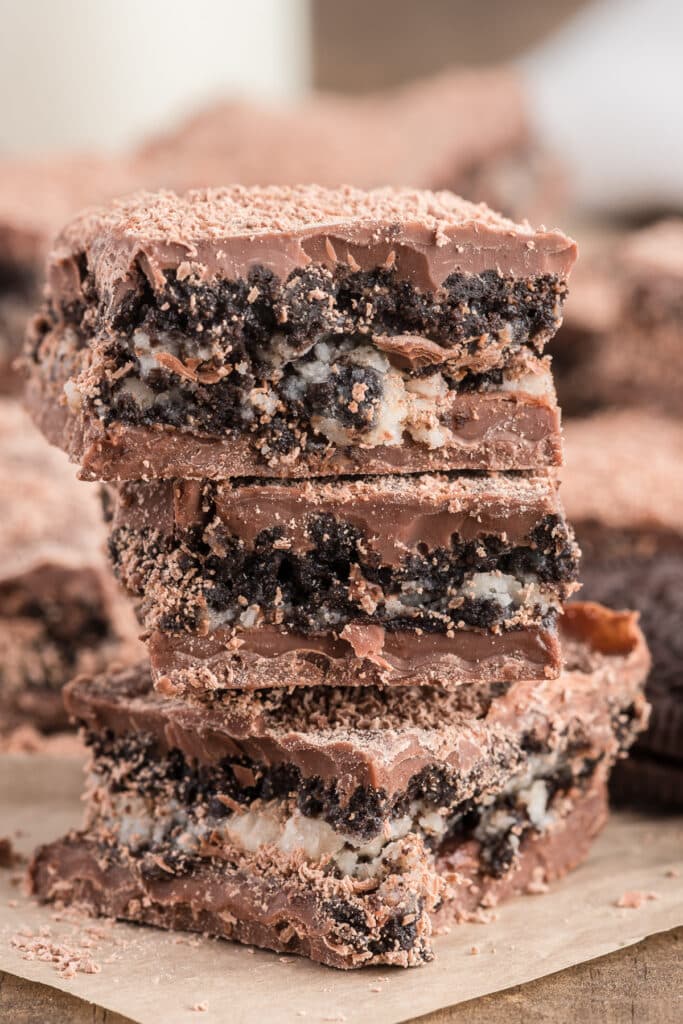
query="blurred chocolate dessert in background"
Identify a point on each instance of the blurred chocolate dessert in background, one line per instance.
(61, 612)
(623, 491)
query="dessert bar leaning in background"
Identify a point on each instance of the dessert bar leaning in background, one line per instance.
(60, 610)
(623, 486)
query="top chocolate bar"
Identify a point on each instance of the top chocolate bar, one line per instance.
(289, 332)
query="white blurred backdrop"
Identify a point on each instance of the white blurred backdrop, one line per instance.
(101, 74)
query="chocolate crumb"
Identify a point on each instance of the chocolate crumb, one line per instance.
(8, 856)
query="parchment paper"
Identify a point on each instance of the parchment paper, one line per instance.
(153, 977)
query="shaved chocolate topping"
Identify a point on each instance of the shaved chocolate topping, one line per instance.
(422, 236)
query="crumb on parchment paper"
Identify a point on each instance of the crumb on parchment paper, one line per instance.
(9, 857)
(634, 899)
(67, 959)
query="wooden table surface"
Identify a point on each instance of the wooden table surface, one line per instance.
(642, 984)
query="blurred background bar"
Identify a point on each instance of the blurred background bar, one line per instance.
(358, 46)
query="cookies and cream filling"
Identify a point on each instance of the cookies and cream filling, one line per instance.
(142, 823)
(350, 391)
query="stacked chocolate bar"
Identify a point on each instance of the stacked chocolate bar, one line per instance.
(328, 433)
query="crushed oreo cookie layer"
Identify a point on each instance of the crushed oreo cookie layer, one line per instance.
(327, 357)
(209, 579)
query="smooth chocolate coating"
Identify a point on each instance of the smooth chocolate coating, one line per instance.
(394, 514)
(268, 656)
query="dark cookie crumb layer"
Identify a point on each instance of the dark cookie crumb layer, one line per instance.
(243, 356)
(183, 581)
(133, 765)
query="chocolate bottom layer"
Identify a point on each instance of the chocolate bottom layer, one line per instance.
(338, 922)
(495, 431)
(269, 656)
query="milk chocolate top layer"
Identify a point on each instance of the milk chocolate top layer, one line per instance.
(394, 513)
(382, 737)
(624, 469)
(49, 519)
(424, 236)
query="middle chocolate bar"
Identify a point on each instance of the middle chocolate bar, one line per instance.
(412, 580)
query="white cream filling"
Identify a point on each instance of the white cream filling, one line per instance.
(407, 405)
(145, 348)
(508, 592)
(526, 789)
(529, 383)
(139, 822)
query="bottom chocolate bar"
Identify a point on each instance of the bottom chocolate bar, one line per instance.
(342, 824)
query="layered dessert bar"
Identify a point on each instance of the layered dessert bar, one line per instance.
(623, 488)
(343, 823)
(60, 610)
(622, 340)
(288, 332)
(435, 578)
(466, 130)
